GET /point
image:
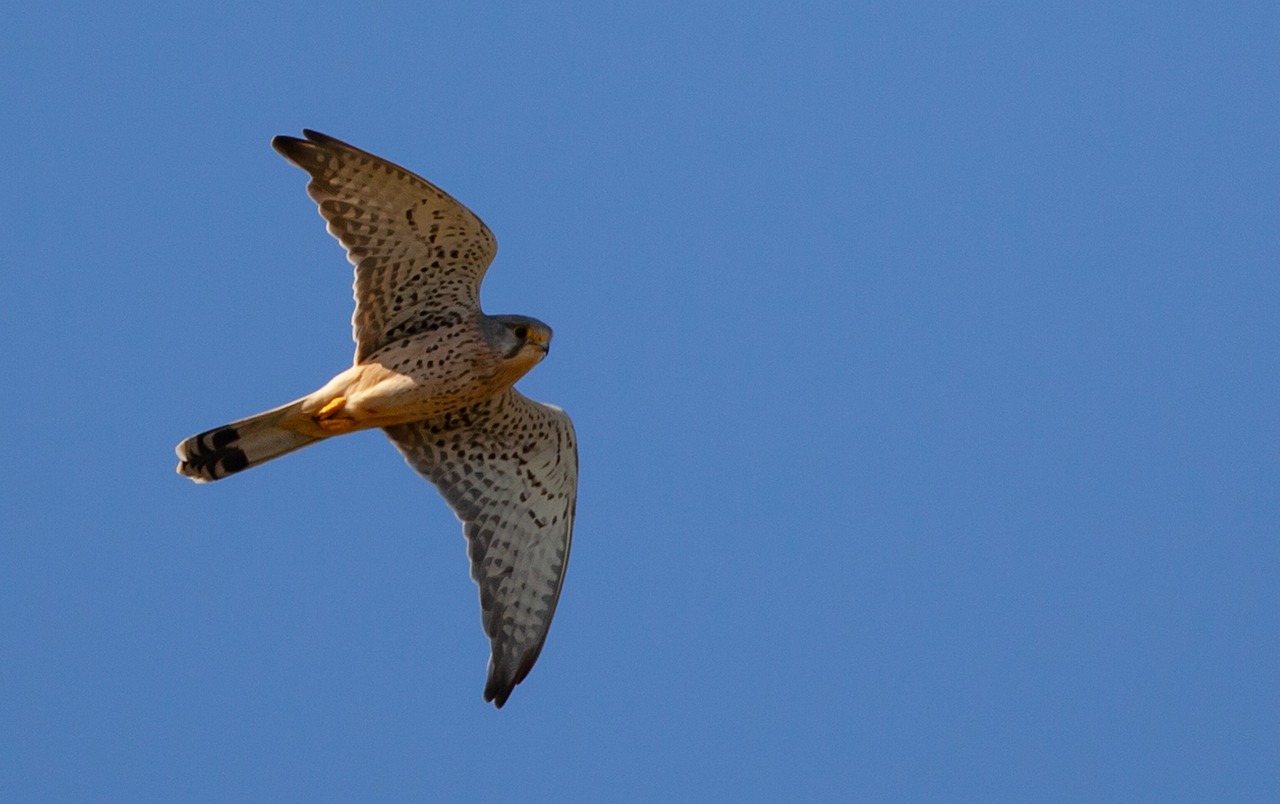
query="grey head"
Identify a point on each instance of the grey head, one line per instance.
(509, 334)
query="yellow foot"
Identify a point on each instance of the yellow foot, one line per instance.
(334, 405)
(327, 416)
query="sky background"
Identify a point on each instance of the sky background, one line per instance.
(923, 358)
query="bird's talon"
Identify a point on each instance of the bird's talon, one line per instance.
(326, 417)
(333, 406)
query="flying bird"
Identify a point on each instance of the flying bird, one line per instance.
(436, 374)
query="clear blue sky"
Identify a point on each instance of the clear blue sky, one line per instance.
(923, 358)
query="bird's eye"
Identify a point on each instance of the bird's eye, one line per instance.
(522, 332)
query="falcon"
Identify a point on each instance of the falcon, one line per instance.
(436, 374)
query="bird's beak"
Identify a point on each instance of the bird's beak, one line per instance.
(540, 342)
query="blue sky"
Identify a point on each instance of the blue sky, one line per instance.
(923, 359)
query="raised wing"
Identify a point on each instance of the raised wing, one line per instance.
(419, 254)
(509, 469)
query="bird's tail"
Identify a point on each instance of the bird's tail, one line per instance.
(231, 448)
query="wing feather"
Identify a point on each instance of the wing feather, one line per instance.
(509, 469)
(419, 254)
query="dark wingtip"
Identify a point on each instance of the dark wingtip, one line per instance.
(290, 148)
(299, 151)
(497, 695)
(499, 686)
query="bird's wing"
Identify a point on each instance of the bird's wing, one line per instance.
(509, 469)
(419, 254)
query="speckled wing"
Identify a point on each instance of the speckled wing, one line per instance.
(419, 254)
(509, 469)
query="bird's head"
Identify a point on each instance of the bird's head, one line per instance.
(521, 340)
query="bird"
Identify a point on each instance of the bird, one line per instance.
(437, 375)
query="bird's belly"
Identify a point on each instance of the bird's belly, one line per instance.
(375, 394)
(400, 398)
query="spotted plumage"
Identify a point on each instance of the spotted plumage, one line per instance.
(436, 374)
